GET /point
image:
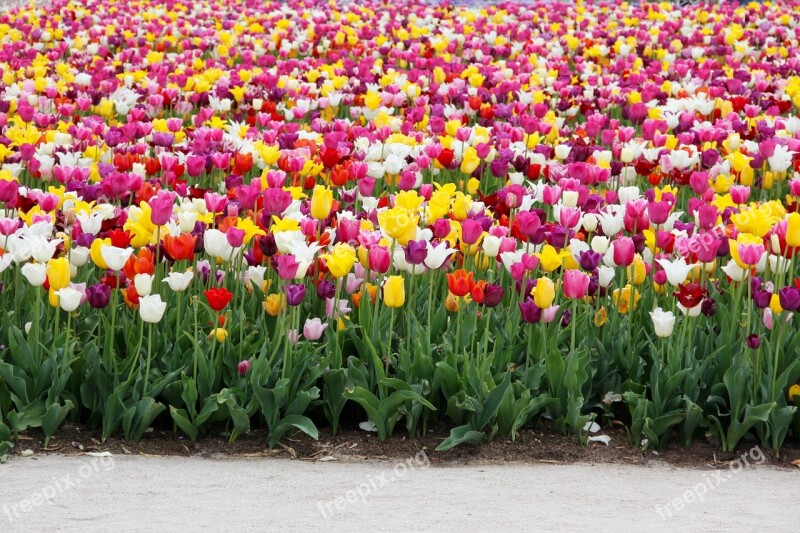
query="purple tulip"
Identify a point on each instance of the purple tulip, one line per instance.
(295, 292)
(98, 295)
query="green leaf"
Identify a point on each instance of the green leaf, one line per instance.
(461, 435)
(181, 419)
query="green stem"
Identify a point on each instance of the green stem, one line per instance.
(149, 354)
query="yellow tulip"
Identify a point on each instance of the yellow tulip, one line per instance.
(399, 224)
(637, 271)
(274, 304)
(341, 260)
(58, 273)
(544, 293)
(550, 259)
(219, 333)
(793, 230)
(625, 299)
(394, 291)
(321, 202)
(794, 393)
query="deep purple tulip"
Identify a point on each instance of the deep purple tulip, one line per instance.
(98, 295)
(493, 295)
(530, 313)
(325, 289)
(790, 298)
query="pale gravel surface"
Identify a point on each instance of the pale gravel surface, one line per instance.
(193, 494)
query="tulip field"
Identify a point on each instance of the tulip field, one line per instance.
(288, 216)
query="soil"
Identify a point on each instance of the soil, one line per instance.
(541, 444)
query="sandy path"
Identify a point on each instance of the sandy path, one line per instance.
(125, 493)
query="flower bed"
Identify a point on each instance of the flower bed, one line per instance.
(257, 213)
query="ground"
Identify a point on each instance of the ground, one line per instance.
(133, 493)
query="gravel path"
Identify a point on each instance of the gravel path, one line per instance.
(125, 493)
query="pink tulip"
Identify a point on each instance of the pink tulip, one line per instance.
(624, 251)
(750, 254)
(161, 207)
(314, 328)
(576, 283)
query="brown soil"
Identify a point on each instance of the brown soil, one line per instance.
(539, 445)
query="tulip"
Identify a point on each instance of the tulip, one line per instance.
(274, 304)
(789, 298)
(394, 291)
(151, 308)
(576, 284)
(161, 207)
(677, 271)
(530, 312)
(750, 254)
(115, 257)
(179, 281)
(58, 273)
(243, 367)
(218, 298)
(753, 341)
(98, 295)
(143, 284)
(624, 251)
(314, 328)
(794, 393)
(341, 260)
(69, 299)
(793, 230)
(460, 283)
(295, 292)
(35, 273)
(379, 259)
(321, 202)
(663, 322)
(544, 293)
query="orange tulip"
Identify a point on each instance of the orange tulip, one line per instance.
(460, 283)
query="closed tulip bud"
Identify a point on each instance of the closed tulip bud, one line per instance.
(151, 308)
(394, 292)
(624, 251)
(794, 393)
(544, 293)
(793, 230)
(576, 284)
(98, 295)
(321, 202)
(69, 299)
(663, 322)
(243, 367)
(143, 284)
(115, 257)
(35, 273)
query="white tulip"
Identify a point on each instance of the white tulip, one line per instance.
(179, 281)
(69, 299)
(35, 273)
(115, 257)
(605, 275)
(143, 284)
(438, 254)
(79, 256)
(491, 245)
(663, 322)
(677, 271)
(151, 308)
